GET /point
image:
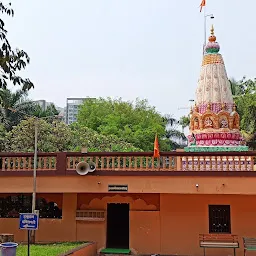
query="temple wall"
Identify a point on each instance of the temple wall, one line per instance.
(184, 217)
(210, 183)
(49, 229)
(143, 207)
(165, 223)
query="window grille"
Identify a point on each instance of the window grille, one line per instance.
(219, 219)
(87, 215)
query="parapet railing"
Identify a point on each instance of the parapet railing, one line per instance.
(62, 162)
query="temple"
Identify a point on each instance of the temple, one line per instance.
(131, 203)
(214, 121)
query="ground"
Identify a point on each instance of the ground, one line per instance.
(46, 250)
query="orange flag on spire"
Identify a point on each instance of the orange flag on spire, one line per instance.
(202, 4)
(156, 148)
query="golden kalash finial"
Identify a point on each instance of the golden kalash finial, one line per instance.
(212, 37)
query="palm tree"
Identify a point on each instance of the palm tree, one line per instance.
(237, 87)
(184, 122)
(49, 111)
(13, 107)
(177, 139)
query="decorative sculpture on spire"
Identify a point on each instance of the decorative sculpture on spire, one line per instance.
(214, 122)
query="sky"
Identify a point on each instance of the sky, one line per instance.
(147, 49)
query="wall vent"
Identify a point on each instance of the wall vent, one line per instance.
(90, 215)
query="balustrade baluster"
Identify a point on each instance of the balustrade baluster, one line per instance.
(152, 163)
(147, 164)
(106, 166)
(129, 163)
(141, 162)
(118, 163)
(174, 160)
(3, 163)
(215, 160)
(164, 162)
(39, 163)
(68, 163)
(210, 164)
(158, 164)
(233, 163)
(73, 163)
(8, 163)
(45, 160)
(97, 162)
(251, 163)
(18, 163)
(221, 164)
(28, 163)
(113, 163)
(204, 163)
(23, 163)
(135, 163)
(239, 159)
(54, 160)
(245, 163)
(192, 163)
(186, 163)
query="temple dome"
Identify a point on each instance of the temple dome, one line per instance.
(213, 84)
(214, 120)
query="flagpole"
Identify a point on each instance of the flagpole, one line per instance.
(204, 26)
(204, 29)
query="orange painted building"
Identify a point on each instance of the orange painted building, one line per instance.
(162, 208)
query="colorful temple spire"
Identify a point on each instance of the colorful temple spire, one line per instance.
(214, 121)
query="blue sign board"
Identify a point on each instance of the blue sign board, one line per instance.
(28, 221)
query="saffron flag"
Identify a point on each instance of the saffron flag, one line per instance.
(202, 4)
(156, 148)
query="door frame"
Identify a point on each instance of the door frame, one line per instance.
(106, 223)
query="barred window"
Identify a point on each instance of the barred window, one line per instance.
(12, 206)
(219, 219)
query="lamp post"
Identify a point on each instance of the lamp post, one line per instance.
(34, 170)
(205, 19)
(32, 232)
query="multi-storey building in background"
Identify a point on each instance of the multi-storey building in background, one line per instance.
(71, 109)
(44, 104)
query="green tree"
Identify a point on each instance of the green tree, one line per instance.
(11, 61)
(96, 142)
(136, 123)
(52, 137)
(13, 107)
(184, 122)
(236, 87)
(56, 136)
(2, 137)
(49, 111)
(244, 93)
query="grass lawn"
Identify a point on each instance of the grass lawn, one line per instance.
(46, 250)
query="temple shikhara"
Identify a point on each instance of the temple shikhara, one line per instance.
(214, 121)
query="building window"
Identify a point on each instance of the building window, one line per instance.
(219, 219)
(12, 206)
